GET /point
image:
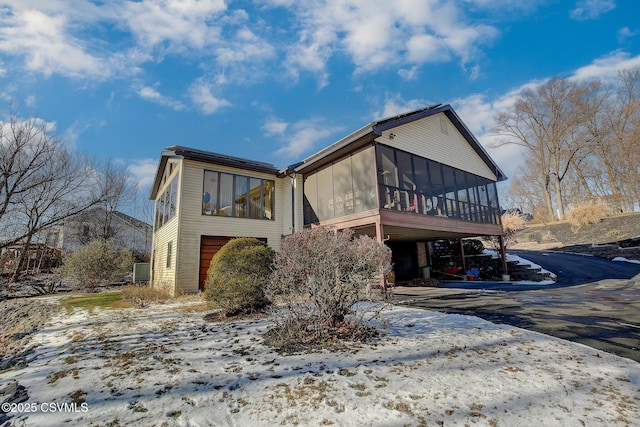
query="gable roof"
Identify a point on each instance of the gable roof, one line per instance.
(100, 210)
(207, 157)
(370, 132)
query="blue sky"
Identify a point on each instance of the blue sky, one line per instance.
(277, 80)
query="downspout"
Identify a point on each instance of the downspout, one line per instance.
(293, 202)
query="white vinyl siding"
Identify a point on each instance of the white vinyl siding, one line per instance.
(286, 212)
(193, 224)
(164, 277)
(425, 138)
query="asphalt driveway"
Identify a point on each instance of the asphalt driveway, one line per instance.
(594, 302)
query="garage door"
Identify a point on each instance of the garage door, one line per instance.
(209, 246)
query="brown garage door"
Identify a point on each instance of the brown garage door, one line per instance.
(209, 246)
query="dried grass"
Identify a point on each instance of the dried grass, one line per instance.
(586, 214)
(512, 222)
(141, 296)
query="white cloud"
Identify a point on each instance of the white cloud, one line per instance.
(409, 74)
(626, 33)
(607, 67)
(46, 45)
(394, 105)
(178, 24)
(274, 127)
(73, 38)
(244, 47)
(378, 34)
(151, 94)
(427, 48)
(591, 9)
(144, 170)
(203, 98)
(30, 101)
(62, 37)
(304, 136)
(311, 57)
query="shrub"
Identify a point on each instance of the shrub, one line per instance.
(331, 272)
(586, 214)
(140, 296)
(237, 276)
(98, 262)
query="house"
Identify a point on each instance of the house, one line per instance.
(78, 230)
(406, 180)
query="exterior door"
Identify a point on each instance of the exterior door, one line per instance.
(209, 246)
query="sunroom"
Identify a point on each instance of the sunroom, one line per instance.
(409, 193)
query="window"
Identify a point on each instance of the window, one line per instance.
(410, 183)
(169, 253)
(344, 187)
(210, 193)
(226, 195)
(256, 206)
(364, 189)
(387, 171)
(325, 194)
(166, 205)
(311, 199)
(269, 199)
(240, 196)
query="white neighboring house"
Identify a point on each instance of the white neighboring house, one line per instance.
(76, 231)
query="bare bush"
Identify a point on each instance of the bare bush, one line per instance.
(586, 214)
(97, 263)
(333, 274)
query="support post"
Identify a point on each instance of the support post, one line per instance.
(380, 239)
(503, 255)
(379, 232)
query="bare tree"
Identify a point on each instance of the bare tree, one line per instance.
(582, 140)
(525, 191)
(520, 127)
(25, 148)
(625, 123)
(41, 183)
(545, 122)
(116, 190)
(598, 117)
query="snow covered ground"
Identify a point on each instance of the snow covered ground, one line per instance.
(622, 259)
(165, 365)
